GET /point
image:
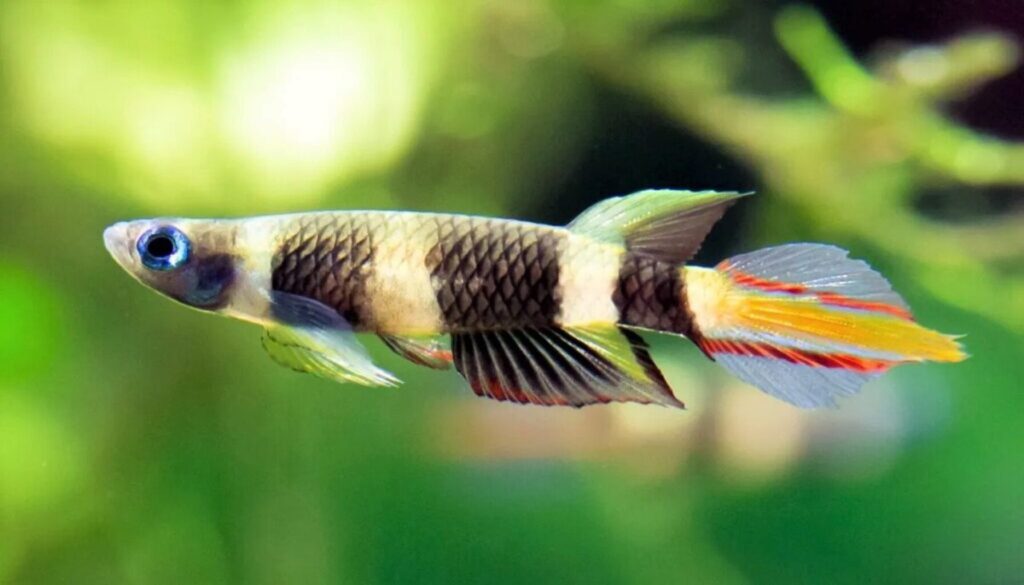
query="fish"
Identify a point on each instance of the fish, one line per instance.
(538, 314)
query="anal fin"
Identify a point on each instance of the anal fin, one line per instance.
(642, 356)
(559, 367)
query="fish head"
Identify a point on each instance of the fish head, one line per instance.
(194, 262)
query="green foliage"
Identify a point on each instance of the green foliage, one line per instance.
(141, 443)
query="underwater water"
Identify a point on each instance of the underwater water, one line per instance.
(141, 442)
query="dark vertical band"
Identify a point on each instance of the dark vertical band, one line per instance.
(329, 258)
(212, 278)
(650, 295)
(490, 274)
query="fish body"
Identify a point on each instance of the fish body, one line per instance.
(535, 313)
(421, 274)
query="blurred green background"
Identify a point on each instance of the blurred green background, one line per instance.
(144, 443)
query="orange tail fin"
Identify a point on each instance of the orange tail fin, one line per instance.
(806, 324)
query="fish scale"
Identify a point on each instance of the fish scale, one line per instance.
(324, 257)
(489, 274)
(651, 295)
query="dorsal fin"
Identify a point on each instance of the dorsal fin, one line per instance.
(665, 224)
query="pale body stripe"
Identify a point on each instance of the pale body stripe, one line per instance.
(255, 242)
(399, 287)
(588, 275)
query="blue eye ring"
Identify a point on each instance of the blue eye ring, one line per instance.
(164, 248)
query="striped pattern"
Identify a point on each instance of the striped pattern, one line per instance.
(532, 309)
(807, 324)
(410, 273)
(831, 299)
(832, 360)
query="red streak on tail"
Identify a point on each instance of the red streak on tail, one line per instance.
(826, 298)
(744, 279)
(838, 300)
(795, 356)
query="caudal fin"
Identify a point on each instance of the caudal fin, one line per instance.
(806, 324)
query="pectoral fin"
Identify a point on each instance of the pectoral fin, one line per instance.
(314, 338)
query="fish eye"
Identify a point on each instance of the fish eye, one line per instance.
(164, 248)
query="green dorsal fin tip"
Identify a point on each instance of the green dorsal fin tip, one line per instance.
(666, 224)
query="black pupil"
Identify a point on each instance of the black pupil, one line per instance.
(160, 246)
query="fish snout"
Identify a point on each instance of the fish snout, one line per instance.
(115, 239)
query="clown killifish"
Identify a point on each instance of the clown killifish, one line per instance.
(538, 314)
